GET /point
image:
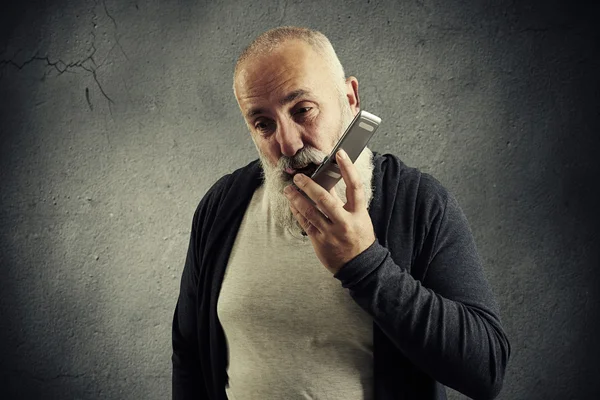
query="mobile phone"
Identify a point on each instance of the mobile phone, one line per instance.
(353, 141)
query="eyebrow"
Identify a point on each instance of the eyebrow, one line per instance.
(286, 100)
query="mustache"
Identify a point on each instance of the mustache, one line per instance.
(304, 157)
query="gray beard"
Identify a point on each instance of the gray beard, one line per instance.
(276, 179)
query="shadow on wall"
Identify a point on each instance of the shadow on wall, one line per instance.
(553, 296)
(50, 307)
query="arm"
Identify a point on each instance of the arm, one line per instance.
(447, 325)
(187, 379)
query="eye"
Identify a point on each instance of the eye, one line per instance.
(263, 126)
(303, 110)
(303, 114)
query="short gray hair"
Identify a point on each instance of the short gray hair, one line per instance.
(269, 40)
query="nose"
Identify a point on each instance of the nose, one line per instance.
(289, 137)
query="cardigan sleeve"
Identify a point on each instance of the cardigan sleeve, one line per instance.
(188, 358)
(187, 377)
(448, 324)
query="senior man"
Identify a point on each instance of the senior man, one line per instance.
(384, 299)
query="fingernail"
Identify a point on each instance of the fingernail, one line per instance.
(342, 154)
(298, 177)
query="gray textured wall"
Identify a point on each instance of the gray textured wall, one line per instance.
(117, 116)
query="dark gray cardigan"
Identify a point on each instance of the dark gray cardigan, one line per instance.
(436, 321)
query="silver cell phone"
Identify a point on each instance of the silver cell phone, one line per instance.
(353, 141)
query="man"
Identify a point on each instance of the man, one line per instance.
(384, 299)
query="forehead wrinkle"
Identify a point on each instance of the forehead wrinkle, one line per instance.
(290, 97)
(293, 96)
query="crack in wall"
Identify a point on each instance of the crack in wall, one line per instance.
(116, 28)
(66, 67)
(61, 66)
(87, 97)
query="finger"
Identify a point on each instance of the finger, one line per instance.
(333, 192)
(305, 212)
(337, 197)
(323, 200)
(355, 194)
(305, 224)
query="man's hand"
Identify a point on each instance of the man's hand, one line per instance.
(348, 231)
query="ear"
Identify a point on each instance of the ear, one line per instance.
(352, 94)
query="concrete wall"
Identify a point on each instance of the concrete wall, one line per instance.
(117, 116)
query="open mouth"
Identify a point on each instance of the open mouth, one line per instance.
(307, 170)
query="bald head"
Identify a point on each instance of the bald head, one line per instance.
(268, 42)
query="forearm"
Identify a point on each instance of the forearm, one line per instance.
(459, 345)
